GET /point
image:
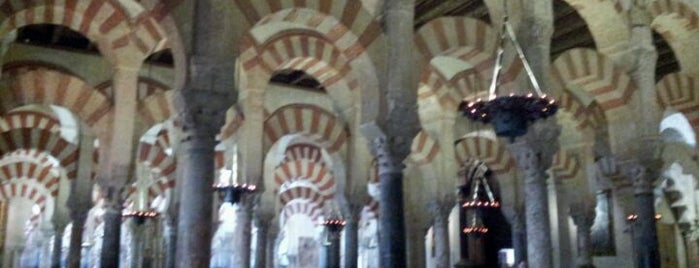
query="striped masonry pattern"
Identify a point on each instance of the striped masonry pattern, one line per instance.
(306, 170)
(344, 22)
(675, 8)
(566, 165)
(301, 151)
(484, 149)
(302, 192)
(610, 86)
(320, 125)
(424, 149)
(41, 85)
(591, 117)
(234, 119)
(310, 209)
(29, 119)
(680, 92)
(44, 174)
(27, 189)
(42, 140)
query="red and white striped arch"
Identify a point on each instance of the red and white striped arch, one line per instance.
(304, 193)
(296, 207)
(306, 170)
(491, 152)
(303, 151)
(44, 174)
(566, 165)
(42, 140)
(680, 92)
(312, 121)
(424, 149)
(299, 50)
(42, 85)
(102, 21)
(154, 154)
(590, 117)
(607, 21)
(608, 84)
(234, 119)
(27, 189)
(677, 22)
(155, 102)
(29, 119)
(466, 39)
(345, 21)
(156, 188)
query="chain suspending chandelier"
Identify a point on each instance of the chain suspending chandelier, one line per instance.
(510, 114)
(477, 199)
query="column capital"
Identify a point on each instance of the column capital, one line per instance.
(440, 209)
(534, 151)
(583, 214)
(639, 176)
(390, 153)
(201, 112)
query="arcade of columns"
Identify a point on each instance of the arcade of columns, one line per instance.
(86, 137)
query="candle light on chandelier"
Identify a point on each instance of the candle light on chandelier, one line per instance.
(510, 114)
(140, 216)
(634, 217)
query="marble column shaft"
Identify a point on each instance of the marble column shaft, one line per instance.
(352, 240)
(261, 247)
(170, 233)
(332, 250)
(537, 218)
(76, 240)
(440, 224)
(111, 240)
(57, 247)
(583, 215)
(243, 225)
(415, 248)
(645, 232)
(271, 243)
(201, 115)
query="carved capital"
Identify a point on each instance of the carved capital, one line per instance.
(440, 209)
(534, 152)
(583, 214)
(390, 153)
(639, 177)
(201, 112)
(609, 174)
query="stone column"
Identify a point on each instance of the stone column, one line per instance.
(76, 239)
(583, 214)
(57, 247)
(170, 234)
(262, 222)
(201, 115)
(80, 199)
(440, 211)
(271, 243)
(399, 125)
(352, 217)
(243, 232)
(332, 249)
(515, 216)
(645, 232)
(137, 243)
(534, 155)
(111, 240)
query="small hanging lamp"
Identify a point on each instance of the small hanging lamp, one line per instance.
(230, 190)
(510, 114)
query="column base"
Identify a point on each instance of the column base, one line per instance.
(463, 263)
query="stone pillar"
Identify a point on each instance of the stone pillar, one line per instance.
(57, 247)
(645, 232)
(440, 211)
(332, 249)
(201, 115)
(262, 222)
(352, 217)
(515, 216)
(170, 234)
(583, 214)
(243, 232)
(271, 243)
(111, 241)
(137, 243)
(76, 239)
(400, 125)
(534, 155)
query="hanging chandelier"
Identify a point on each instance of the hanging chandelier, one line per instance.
(477, 199)
(233, 193)
(633, 217)
(334, 225)
(140, 216)
(510, 114)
